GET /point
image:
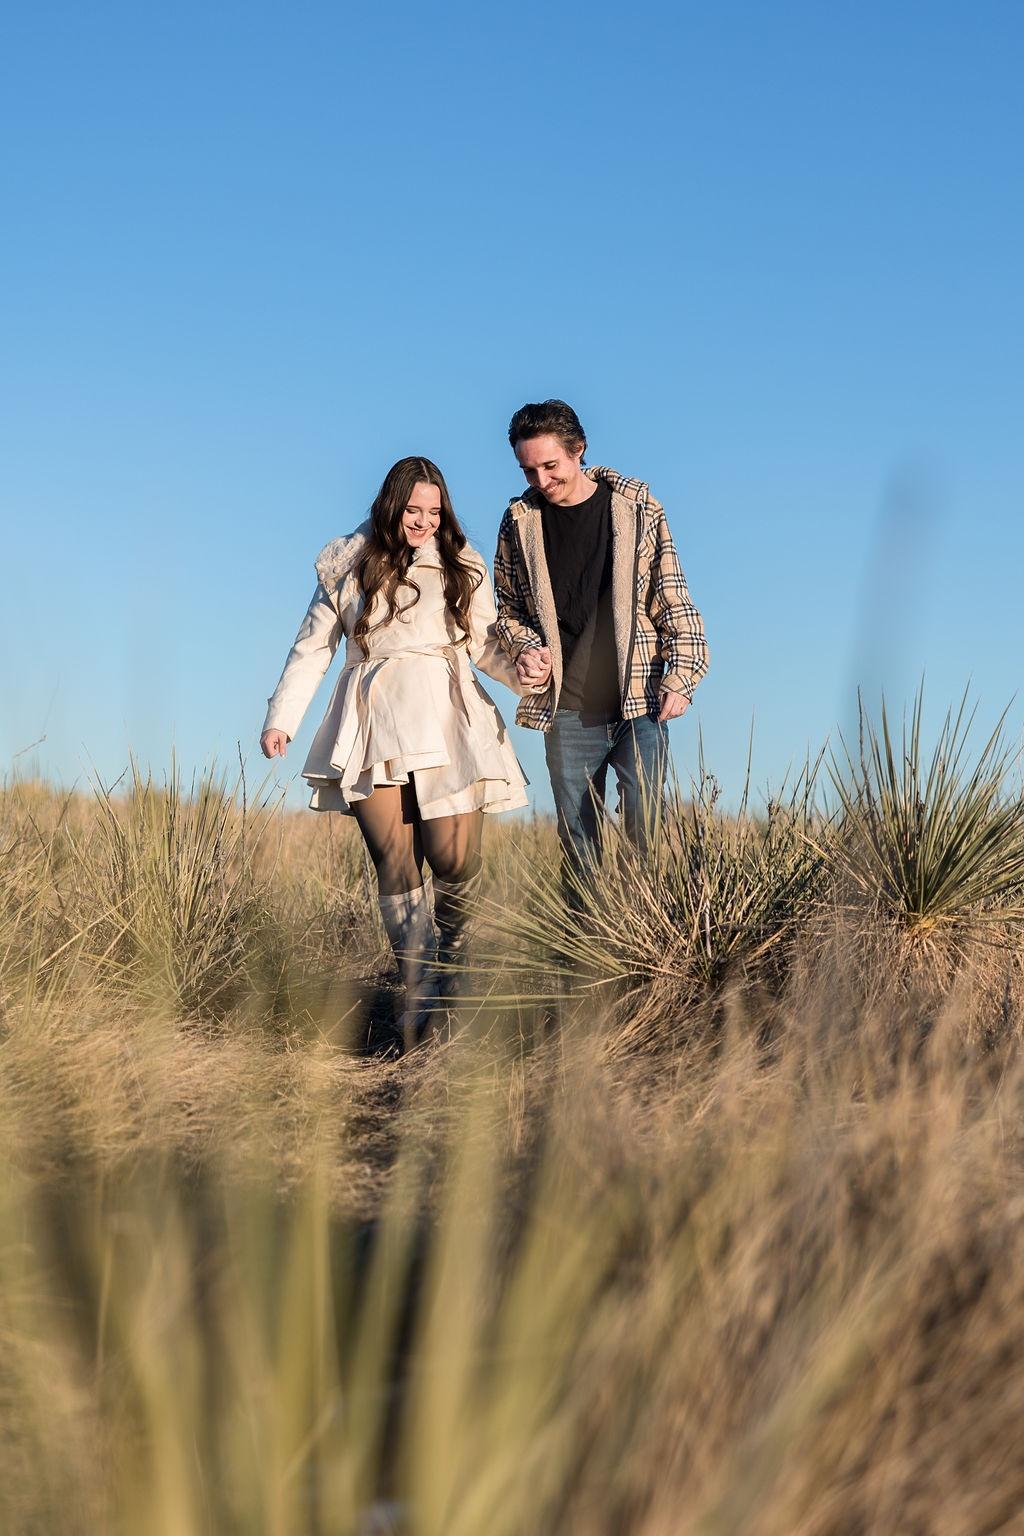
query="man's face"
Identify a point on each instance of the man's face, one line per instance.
(550, 468)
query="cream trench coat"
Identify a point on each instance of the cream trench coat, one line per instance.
(411, 708)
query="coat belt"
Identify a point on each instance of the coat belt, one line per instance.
(371, 667)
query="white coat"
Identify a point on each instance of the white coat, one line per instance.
(411, 708)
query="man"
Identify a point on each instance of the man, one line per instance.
(594, 610)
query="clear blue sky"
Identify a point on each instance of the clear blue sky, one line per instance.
(253, 254)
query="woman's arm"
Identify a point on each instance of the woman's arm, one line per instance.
(310, 656)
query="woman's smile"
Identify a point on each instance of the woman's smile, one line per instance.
(422, 516)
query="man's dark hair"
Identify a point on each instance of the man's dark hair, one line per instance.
(552, 417)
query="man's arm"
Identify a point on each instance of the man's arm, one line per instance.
(679, 625)
(514, 626)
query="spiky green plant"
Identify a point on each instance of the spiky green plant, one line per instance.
(177, 890)
(934, 841)
(41, 928)
(713, 892)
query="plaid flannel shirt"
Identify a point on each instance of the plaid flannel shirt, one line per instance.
(659, 633)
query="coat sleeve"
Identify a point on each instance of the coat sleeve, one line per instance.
(679, 625)
(486, 651)
(308, 660)
(514, 627)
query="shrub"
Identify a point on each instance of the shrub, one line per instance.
(933, 843)
(179, 901)
(716, 894)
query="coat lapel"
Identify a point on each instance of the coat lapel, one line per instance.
(624, 537)
(335, 562)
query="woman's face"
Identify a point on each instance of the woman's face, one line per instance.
(422, 515)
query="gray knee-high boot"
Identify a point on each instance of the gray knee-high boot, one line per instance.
(455, 907)
(409, 926)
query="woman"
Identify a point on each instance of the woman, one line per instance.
(411, 745)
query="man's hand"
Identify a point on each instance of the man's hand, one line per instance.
(533, 666)
(673, 704)
(274, 744)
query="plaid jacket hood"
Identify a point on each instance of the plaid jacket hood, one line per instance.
(659, 635)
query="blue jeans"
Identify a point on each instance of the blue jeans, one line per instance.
(579, 756)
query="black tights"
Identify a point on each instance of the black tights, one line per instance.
(398, 840)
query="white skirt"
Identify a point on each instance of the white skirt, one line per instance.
(416, 714)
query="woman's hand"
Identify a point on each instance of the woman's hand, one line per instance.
(274, 744)
(533, 666)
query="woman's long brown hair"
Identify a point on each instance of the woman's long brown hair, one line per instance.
(384, 564)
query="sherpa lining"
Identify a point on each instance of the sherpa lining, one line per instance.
(335, 563)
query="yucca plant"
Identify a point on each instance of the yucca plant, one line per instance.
(38, 931)
(714, 891)
(935, 842)
(22, 873)
(178, 895)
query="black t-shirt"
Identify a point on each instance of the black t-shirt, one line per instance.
(578, 548)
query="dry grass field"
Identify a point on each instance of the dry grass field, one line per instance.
(707, 1221)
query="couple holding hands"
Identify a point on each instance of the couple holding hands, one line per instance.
(589, 621)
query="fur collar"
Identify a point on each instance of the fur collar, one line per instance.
(336, 562)
(336, 559)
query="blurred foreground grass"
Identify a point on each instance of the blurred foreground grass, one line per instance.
(719, 1231)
